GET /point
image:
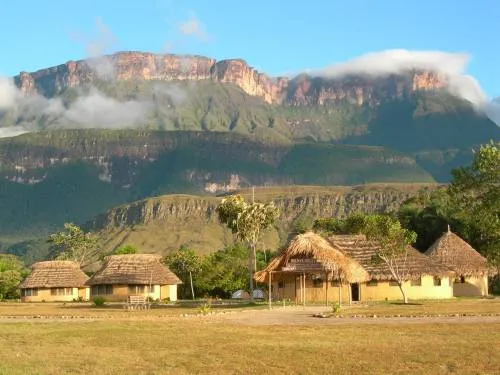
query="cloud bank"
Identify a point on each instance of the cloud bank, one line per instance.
(452, 65)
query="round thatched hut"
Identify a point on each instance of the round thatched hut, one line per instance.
(311, 269)
(471, 268)
(57, 280)
(127, 275)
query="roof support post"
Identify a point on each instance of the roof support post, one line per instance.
(326, 288)
(304, 300)
(269, 290)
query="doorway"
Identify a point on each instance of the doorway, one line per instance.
(355, 292)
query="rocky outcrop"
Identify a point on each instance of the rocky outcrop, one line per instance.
(302, 90)
(148, 221)
(359, 90)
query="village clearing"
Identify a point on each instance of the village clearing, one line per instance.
(79, 339)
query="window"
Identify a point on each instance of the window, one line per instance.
(393, 283)
(437, 281)
(318, 283)
(335, 283)
(460, 280)
(141, 289)
(281, 284)
(371, 283)
(416, 282)
(101, 290)
(29, 292)
(61, 291)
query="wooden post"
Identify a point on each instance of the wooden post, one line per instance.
(304, 301)
(326, 290)
(350, 294)
(269, 290)
(340, 292)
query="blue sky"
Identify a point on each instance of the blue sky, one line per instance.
(274, 36)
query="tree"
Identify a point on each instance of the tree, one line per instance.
(247, 221)
(125, 249)
(12, 272)
(331, 225)
(224, 271)
(184, 262)
(393, 245)
(73, 244)
(475, 193)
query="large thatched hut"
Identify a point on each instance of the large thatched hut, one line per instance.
(426, 278)
(470, 267)
(311, 269)
(57, 280)
(134, 274)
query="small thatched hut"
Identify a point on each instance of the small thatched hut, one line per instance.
(470, 267)
(134, 274)
(311, 269)
(426, 277)
(57, 280)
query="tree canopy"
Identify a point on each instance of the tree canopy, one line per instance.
(12, 272)
(125, 249)
(73, 244)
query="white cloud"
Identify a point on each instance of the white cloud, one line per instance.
(194, 27)
(451, 65)
(8, 93)
(12, 131)
(398, 61)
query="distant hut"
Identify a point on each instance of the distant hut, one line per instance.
(122, 276)
(470, 267)
(57, 280)
(427, 278)
(310, 269)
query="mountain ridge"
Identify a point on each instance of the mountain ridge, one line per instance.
(134, 65)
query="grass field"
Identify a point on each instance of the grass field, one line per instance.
(160, 342)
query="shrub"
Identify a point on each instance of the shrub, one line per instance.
(335, 308)
(205, 308)
(99, 301)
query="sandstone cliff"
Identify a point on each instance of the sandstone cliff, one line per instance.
(302, 90)
(163, 224)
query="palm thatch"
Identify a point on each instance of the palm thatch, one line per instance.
(55, 274)
(312, 245)
(134, 269)
(454, 252)
(365, 252)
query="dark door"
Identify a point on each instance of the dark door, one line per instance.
(355, 292)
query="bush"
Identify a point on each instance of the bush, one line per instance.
(335, 308)
(205, 308)
(99, 301)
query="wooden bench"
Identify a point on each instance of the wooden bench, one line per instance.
(137, 303)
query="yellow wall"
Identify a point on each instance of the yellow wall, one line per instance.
(45, 296)
(121, 293)
(382, 291)
(473, 287)
(427, 290)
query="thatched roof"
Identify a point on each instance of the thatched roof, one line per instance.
(364, 251)
(134, 269)
(55, 274)
(312, 245)
(454, 252)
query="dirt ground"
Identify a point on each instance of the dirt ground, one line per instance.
(304, 316)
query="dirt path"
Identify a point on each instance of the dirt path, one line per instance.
(301, 316)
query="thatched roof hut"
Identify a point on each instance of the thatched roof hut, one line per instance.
(312, 245)
(365, 252)
(134, 269)
(454, 252)
(55, 274)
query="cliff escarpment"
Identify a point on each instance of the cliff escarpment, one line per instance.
(164, 223)
(301, 90)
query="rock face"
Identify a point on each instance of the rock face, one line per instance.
(301, 90)
(148, 222)
(359, 90)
